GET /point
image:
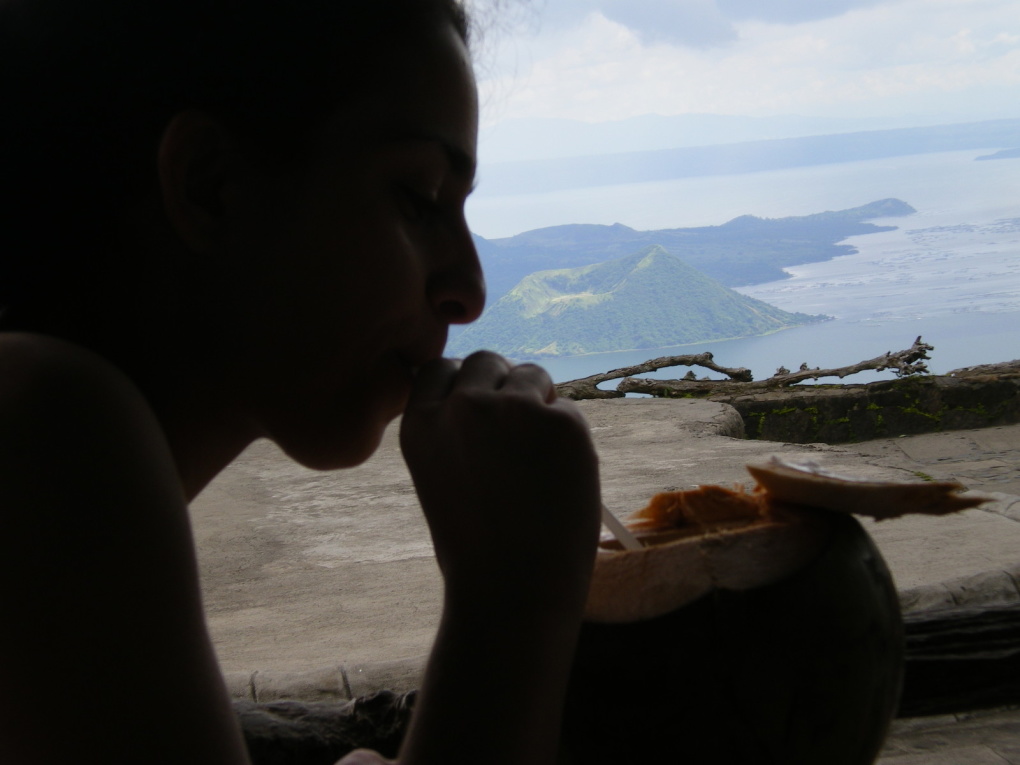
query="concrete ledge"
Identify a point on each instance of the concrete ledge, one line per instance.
(988, 736)
(348, 681)
(399, 675)
(985, 590)
(343, 682)
(324, 684)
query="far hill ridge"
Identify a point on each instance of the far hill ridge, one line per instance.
(746, 250)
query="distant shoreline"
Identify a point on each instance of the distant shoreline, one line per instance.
(1001, 154)
(565, 357)
(576, 173)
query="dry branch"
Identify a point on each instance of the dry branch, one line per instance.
(586, 387)
(906, 362)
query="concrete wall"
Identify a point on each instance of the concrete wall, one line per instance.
(908, 406)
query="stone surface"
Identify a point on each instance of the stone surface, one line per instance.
(303, 569)
(991, 737)
(399, 675)
(328, 684)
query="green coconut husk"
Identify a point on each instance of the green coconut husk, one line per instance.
(802, 671)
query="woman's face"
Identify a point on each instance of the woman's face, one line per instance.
(351, 268)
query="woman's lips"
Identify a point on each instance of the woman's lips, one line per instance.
(417, 357)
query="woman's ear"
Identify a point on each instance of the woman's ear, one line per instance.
(197, 157)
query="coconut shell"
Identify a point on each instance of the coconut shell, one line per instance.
(712, 537)
(753, 628)
(799, 668)
(755, 551)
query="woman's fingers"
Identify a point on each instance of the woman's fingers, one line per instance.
(364, 757)
(481, 371)
(501, 465)
(484, 371)
(434, 381)
(530, 379)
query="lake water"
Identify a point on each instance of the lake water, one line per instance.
(950, 273)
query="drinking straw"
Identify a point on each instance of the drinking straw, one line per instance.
(621, 532)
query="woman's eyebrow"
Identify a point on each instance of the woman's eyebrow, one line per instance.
(462, 162)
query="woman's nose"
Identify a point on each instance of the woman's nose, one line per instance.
(457, 292)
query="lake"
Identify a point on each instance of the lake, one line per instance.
(950, 273)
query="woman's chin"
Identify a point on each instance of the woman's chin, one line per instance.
(331, 429)
(331, 454)
(332, 443)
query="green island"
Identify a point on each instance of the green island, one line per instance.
(650, 299)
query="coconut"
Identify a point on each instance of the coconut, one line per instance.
(753, 627)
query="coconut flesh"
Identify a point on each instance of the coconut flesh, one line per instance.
(756, 626)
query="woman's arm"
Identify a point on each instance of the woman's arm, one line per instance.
(101, 613)
(508, 478)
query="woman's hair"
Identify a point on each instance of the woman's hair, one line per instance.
(88, 86)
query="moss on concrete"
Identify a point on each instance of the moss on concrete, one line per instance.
(908, 406)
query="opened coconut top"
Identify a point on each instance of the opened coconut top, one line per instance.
(715, 509)
(676, 515)
(717, 538)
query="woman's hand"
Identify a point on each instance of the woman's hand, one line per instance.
(364, 757)
(508, 479)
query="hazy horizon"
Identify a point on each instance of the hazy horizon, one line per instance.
(873, 64)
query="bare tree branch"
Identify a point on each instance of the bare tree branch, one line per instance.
(906, 362)
(586, 387)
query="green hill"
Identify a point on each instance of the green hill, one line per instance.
(650, 299)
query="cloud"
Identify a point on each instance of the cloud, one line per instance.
(789, 11)
(884, 58)
(684, 22)
(697, 23)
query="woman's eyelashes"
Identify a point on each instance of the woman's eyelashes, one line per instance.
(421, 207)
(425, 203)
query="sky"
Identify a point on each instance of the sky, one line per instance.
(609, 60)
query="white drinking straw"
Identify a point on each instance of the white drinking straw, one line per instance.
(621, 532)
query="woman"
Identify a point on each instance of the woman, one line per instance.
(231, 220)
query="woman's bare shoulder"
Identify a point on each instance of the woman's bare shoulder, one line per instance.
(66, 411)
(94, 531)
(36, 367)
